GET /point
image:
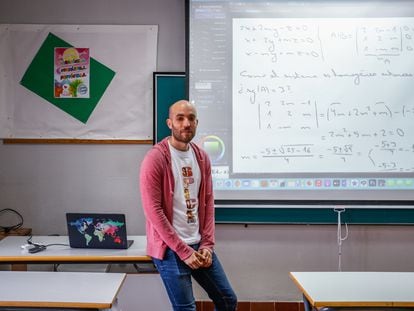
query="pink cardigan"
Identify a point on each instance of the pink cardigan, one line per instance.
(157, 191)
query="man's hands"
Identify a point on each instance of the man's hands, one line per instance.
(208, 258)
(201, 259)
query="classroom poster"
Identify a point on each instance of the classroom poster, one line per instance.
(71, 72)
(117, 98)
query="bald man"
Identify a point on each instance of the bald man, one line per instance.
(177, 198)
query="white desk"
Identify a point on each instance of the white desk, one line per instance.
(356, 289)
(12, 253)
(59, 290)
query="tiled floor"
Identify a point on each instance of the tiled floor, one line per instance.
(256, 306)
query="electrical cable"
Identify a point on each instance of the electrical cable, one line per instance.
(13, 227)
(38, 247)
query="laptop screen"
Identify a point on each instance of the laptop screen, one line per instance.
(97, 230)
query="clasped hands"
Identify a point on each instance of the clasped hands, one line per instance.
(200, 259)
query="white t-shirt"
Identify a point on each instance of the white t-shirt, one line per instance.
(185, 205)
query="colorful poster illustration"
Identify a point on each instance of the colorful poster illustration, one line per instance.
(71, 72)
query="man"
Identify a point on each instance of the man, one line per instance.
(177, 197)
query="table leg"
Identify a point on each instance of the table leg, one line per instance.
(306, 304)
(19, 267)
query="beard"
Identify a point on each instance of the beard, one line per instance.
(183, 136)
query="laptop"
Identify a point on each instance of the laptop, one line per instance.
(97, 230)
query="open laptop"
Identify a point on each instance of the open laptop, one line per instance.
(97, 230)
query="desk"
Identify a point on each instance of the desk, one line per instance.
(356, 289)
(56, 290)
(12, 253)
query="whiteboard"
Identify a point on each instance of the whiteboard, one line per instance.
(334, 96)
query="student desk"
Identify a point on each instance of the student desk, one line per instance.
(59, 290)
(356, 289)
(11, 252)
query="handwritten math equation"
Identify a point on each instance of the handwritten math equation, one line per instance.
(323, 95)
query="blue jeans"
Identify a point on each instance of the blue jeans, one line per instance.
(176, 276)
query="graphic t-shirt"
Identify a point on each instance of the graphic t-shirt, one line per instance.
(185, 205)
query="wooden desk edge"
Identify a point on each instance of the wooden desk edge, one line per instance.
(75, 141)
(119, 288)
(48, 304)
(362, 304)
(20, 263)
(83, 258)
(304, 292)
(319, 304)
(56, 304)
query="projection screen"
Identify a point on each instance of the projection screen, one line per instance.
(305, 100)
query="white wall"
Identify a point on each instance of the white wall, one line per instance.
(168, 14)
(258, 258)
(45, 181)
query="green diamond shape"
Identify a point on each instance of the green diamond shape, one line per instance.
(39, 78)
